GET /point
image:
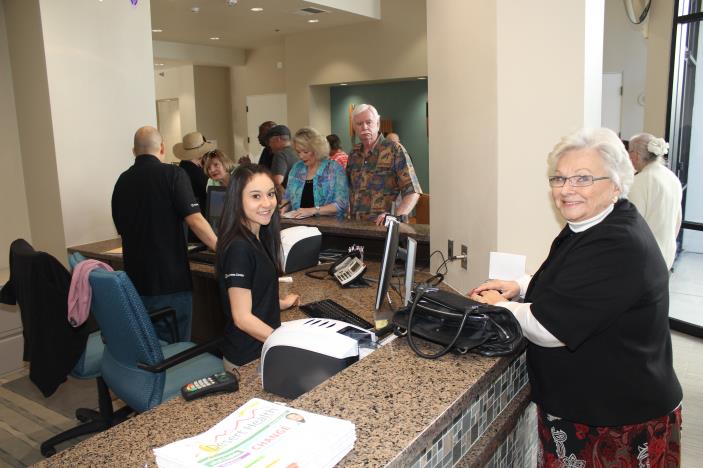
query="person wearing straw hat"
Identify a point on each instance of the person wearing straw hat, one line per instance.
(150, 202)
(190, 151)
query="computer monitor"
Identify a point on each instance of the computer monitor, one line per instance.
(214, 205)
(411, 254)
(390, 250)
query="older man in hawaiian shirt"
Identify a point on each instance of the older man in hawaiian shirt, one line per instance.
(378, 170)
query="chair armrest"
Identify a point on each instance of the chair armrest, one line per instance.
(168, 314)
(181, 357)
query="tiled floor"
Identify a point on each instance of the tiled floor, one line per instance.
(686, 303)
(688, 362)
(686, 288)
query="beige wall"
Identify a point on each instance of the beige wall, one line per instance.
(462, 128)
(394, 47)
(501, 107)
(34, 120)
(76, 110)
(625, 51)
(213, 106)
(260, 75)
(13, 212)
(659, 26)
(178, 83)
(96, 104)
(198, 54)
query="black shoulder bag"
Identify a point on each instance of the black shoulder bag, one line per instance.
(459, 323)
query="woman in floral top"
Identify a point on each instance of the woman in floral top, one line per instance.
(317, 186)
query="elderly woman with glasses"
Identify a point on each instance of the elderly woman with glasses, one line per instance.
(218, 167)
(596, 317)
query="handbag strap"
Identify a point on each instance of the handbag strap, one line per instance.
(411, 341)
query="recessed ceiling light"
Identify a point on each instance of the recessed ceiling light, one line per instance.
(157, 30)
(257, 9)
(421, 77)
(158, 64)
(313, 21)
(195, 9)
(342, 84)
(215, 38)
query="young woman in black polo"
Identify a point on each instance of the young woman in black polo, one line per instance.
(248, 264)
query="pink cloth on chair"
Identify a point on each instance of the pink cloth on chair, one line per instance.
(80, 293)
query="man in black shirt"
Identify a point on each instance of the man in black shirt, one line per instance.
(149, 204)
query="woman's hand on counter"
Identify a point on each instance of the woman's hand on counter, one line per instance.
(305, 212)
(489, 296)
(507, 289)
(289, 301)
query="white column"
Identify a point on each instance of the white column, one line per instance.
(506, 80)
(83, 78)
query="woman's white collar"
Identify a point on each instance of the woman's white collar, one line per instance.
(589, 223)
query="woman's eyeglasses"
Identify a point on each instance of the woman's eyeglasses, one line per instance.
(574, 181)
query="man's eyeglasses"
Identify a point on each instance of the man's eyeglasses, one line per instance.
(574, 181)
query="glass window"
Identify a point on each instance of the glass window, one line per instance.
(688, 7)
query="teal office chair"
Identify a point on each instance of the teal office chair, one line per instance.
(139, 369)
(39, 284)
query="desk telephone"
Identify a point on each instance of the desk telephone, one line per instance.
(348, 268)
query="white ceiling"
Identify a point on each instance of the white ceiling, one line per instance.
(238, 26)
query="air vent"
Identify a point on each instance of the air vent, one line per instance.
(310, 11)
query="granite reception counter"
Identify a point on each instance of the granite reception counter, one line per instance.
(409, 412)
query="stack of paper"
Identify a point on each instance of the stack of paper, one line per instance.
(262, 434)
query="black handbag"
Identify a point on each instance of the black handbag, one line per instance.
(458, 323)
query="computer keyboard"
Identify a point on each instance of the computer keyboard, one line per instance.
(328, 309)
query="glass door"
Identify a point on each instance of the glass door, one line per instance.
(685, 135)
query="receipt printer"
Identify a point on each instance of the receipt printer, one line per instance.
(301, 354)
(301, 247)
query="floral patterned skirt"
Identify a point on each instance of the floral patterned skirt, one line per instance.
(655, 443)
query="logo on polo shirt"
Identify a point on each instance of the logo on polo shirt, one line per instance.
(236, 275)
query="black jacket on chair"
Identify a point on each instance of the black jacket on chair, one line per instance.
(39, 284)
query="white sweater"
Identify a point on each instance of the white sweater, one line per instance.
(656, 193)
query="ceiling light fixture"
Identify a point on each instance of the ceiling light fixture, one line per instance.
(158, 64)
(313, 21)
(231, 2)
(215, 38)
(421, 77)
(257, 9)
(157, 30)
(342, 84)
(195, 9)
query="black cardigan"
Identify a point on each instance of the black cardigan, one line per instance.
(604, 293)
